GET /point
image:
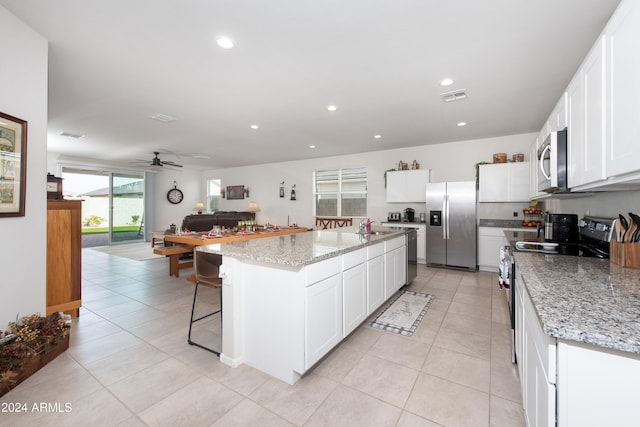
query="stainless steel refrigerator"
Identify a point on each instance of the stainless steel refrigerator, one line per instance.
(451, 224)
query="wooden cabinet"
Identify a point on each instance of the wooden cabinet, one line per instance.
(504, 182)
(623, 91)
(408, 186)
(586, 128)
(64, 256)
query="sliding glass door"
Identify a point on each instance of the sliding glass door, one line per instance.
(127, 207)
(112, 208)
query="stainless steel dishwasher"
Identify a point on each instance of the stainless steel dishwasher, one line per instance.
(412, 254)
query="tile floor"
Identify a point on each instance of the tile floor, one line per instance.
(129, 364)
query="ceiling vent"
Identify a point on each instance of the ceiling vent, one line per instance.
(72, 135)
(454, 95)
(163, 118)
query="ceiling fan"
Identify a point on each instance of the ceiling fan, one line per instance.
(156, 162)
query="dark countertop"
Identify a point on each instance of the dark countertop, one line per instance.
(587, 300)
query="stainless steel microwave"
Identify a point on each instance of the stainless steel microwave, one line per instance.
(552, 163)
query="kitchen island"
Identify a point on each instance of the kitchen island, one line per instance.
(577, 338)
(289, 300)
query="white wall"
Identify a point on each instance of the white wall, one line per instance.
(448, 162)
(191, 185)
(23, 85)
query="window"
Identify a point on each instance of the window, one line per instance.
(341, 192)
(214, 187)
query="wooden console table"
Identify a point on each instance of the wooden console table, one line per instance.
(187, 242)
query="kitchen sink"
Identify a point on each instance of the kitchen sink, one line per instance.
(375, 232)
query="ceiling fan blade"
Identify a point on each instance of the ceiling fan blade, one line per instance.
(169, 163)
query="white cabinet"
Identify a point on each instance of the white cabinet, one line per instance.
(596, 387)
(323, 318)
(539, 371)
(558, 118)
(375, 277)
(421, 237)
(354, 290)
(536, 356)
(623, 90)
(533, 170)
(504, 182)
(408, 186)
(395, 265)
(490, 240)
(586, 115)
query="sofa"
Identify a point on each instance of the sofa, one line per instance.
(205, 222)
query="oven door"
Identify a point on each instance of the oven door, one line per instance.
(508, 270)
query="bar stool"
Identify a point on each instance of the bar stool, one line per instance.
(207, 267)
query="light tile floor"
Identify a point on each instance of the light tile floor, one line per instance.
(129, 364)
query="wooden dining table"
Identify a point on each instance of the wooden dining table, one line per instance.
(187, 242)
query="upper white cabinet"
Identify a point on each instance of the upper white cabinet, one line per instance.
(533, 169)
(558, 118)
(586, 127)
(408, 186)
(504, 182)
(623, 90)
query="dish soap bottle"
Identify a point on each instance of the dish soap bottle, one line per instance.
(368, 226)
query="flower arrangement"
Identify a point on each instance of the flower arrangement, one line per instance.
(27, 338)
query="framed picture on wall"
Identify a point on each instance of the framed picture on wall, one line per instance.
(13, 165)
(235, 192)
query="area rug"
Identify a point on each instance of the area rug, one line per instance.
(138, 251)
(403, 313)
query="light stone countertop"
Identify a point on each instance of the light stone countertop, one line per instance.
(587, 300)
(294, 251)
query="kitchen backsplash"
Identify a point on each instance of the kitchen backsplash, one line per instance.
(607, 205)
(501, 210)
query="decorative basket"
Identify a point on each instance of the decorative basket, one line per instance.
(500, 158)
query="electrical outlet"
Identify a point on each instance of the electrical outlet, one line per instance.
(515, 214)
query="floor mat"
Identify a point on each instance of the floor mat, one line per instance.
(403, 314)
(137, 251)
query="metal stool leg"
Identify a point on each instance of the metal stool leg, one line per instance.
(192, 321)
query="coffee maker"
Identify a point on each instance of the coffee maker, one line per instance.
(560, 228)
(410, 214)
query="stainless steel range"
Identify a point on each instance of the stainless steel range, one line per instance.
(595, 235)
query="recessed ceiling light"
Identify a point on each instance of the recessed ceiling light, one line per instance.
(462, 124)
(312, 146)
(332, 108)
(377, 136)
(224, 42)
(254, 126)
(446, 82)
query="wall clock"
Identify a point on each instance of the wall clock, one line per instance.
(174, 195)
